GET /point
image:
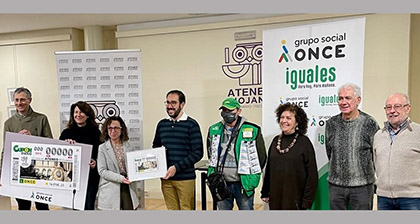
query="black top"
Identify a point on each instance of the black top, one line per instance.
(290, 178)
(86, 135)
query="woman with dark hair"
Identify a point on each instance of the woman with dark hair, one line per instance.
(116, 191)
(82, 128)
(291, 175)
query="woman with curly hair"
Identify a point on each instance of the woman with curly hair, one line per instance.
(116, 191)
(291, 175)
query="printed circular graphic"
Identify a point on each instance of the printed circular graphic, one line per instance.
(240, 54)
(25, 161)
(257, 52)
(58, 174)
(110, 110)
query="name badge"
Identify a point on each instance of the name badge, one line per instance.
(247, 133)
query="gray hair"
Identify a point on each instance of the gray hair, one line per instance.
(407, 99)
(24, 90)
(356, 89)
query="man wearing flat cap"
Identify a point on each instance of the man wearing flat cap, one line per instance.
(236, 147)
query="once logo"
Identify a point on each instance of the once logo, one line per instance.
(43, 198)
(320, 120)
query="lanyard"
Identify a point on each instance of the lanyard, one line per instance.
(235, 132)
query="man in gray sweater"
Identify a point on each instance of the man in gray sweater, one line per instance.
(349, 143)
(397, 157)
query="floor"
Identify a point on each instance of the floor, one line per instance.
(159, 204)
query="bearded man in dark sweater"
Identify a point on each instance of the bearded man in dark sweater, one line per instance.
(181, 136)
(349, 144)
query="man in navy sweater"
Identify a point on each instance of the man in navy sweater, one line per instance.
(181, 136)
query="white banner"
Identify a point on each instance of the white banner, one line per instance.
(306, 65)
(110, 81)
(45, 170)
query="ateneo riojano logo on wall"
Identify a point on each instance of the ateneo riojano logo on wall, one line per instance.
(244, 64)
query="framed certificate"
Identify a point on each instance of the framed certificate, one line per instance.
(11, 111)
(10, 92)
(146, 164)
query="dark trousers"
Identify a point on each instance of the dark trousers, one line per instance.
(243, 201)
(91, 191)
(359, 198)
(125, 202)
(26, 205)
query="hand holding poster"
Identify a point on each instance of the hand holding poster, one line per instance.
(146, 164)
(45, 170)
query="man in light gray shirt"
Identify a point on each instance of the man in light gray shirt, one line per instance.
(397, 157)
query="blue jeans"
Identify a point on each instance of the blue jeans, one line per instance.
(359, 198)
(385, 203)
(242, 200)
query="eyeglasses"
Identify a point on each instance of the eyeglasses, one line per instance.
(114, 128)
(172, 103)
(20, 99)
(395, 106)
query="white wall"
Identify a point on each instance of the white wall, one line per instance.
(27, 59)
(387, 52)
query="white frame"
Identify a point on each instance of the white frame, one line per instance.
(10, 92)
(158, 155)
(11, 111)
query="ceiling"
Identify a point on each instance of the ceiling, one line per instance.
(10, 23)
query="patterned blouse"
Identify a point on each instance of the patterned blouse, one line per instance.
(119, 153)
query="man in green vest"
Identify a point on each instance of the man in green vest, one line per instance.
(245, 159)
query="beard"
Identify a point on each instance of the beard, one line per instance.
(176, 112)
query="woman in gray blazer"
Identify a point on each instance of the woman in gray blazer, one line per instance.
(116, 191)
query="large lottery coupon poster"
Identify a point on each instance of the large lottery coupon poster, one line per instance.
(45, 170)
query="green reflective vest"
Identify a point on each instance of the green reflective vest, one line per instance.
(248, 133)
